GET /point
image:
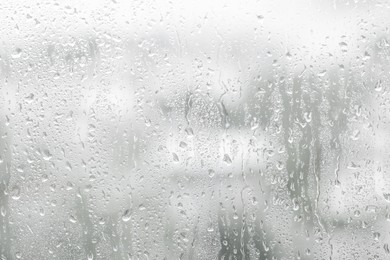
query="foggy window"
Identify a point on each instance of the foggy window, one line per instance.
(195, 129)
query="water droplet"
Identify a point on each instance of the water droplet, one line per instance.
(18, 255)
(378, 86)
(72, 219)
(227, 159)
(210, 228)
(126, 215)
(20, 168)
(90, 256)
(17, 53)
(190, 132)
(3, 211)
(47, 155)
(357, 213)
(175, 157)
(343, 46)
(386, 196)
(30, 98)
(322, 73)
(307, 116)
(355, 135)
(69, 185)
(15, 192)
(68, 166)
(386, 248)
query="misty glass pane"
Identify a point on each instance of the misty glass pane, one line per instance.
(195, 129)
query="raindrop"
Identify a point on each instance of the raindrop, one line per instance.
(47, 155)
(17, 53)
(307, 116)
(376, 236)
(90, 256)
(72, 219)
(30, 98)
(126, 215)
(386, 196)
(343, 46)
(15, 192)
(378, 86)
(386, 248)
(227, 159)
(175, 157)
(18, 255)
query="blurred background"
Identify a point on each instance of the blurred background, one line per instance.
(194, 129)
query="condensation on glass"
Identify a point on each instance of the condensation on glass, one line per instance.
(194, 129)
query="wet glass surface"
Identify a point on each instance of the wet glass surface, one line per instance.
(194, 129)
